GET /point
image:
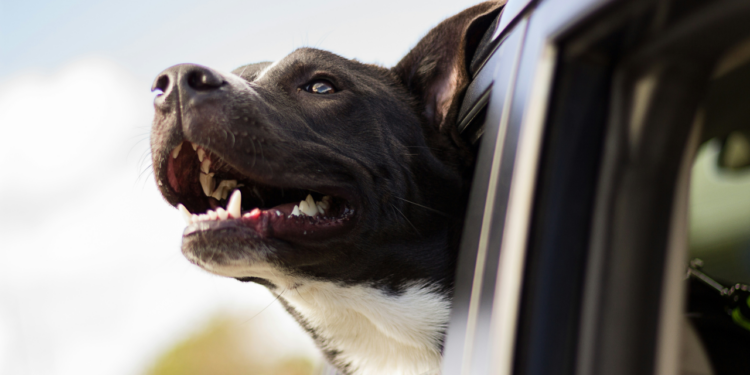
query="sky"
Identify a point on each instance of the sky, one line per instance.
(91, 279)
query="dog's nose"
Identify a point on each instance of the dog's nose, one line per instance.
(188, 80)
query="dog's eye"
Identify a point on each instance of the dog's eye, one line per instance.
(320, 87)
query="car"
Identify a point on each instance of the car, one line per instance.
(613, 143)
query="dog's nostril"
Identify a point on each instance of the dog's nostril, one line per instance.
(204, 79)
(161, 84)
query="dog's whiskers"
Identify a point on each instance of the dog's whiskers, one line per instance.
(145, 156)
(406, 218)
(425, 207)
(148, 168)
(296, 289)
(267, 306)
(145, 180)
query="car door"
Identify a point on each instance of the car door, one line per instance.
(577, 235)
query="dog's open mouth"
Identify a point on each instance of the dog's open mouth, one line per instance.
(213, 195)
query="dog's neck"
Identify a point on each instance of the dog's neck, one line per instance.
(369, 331)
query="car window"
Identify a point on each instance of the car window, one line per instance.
(718, 305)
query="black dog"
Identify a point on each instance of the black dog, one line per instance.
(340, 186)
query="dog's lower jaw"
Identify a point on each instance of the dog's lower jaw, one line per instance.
(367, 331)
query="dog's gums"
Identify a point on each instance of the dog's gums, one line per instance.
(262, 211)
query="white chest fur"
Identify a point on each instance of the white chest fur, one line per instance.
(372, 331)
(376, 333)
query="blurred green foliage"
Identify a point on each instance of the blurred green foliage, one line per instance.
(720, 216)
(226, 346)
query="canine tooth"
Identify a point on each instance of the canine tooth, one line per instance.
(205, 165)
(176, 151)
(295, 211)
(310, 200)
(224, 188)
(234, 207)
(207, 183)
(223, 215)
(185, 213)
(212, 215)
(195, 146)
(307, 209)
(201, 155)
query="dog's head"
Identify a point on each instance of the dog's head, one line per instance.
(346, 172)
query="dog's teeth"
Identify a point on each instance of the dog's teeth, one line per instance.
(195, 146)
(222, 191)
(278, 213)
(309, 207)
(310, 210)
(310, 201)
(193, 218)
(203, 217)
(201, 155)
(176, 151)
(295, 211)
(212, 215)
(306, 208)
(325, 204)
(234, 207)
(207, 183)
(185, 213)
(321, 210)
(223, 214)
(206, 165)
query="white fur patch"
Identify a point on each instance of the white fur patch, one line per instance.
(374, 332)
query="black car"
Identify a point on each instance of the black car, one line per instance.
(613, 142)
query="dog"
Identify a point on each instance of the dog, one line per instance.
(340, 186)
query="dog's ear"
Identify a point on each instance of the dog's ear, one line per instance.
(436, 70)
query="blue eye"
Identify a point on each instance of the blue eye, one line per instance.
(320, 87)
